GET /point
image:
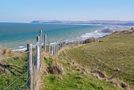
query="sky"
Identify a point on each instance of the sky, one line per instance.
(69, 10)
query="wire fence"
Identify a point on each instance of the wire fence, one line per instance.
(18, 71)
(18, 83)
(13, 73)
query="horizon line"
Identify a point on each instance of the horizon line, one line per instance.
(66, 21)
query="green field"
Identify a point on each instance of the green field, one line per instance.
(113, 55)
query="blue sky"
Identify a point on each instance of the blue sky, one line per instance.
(28, 10)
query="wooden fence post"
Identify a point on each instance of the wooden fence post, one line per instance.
(30, 67)
(49, 48)
(38, 53)
(55, 48)
(41, 37)
(37, 65)
(45, 42)
(52, 50)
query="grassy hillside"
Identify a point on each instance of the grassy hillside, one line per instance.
(112, 57)
(12, 70)
(70, 78)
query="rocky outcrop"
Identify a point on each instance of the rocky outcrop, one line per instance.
(130, 31)
(89, 40)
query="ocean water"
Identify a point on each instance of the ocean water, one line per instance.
(17, 35)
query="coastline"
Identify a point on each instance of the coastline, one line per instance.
(87, 37)
(94, 36)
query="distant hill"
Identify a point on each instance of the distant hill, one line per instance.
(53, 21)
(105, 22)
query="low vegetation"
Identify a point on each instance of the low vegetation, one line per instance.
(65, 77)
(111, 58)
(12, 70)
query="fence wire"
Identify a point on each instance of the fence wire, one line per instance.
(14, 74)
(14, 84)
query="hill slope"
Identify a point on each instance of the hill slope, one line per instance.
(111, 58)
(64, 76)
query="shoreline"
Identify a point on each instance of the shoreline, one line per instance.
(83, 38)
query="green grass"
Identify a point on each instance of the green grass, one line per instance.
(71, 79)
(13, 73)
(113, 52)
(75, 81)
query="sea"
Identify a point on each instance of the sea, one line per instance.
(17, 35)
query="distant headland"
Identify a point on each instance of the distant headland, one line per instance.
(105, 22)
